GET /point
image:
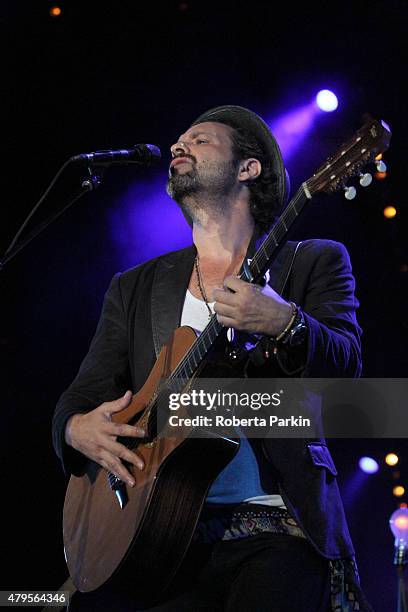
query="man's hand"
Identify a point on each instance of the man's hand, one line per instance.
(94, 435)
(251, 308)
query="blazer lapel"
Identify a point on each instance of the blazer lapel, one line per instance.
(170, 284)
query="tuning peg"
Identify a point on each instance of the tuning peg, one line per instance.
(381, 167)
(230, 334)
(350, 193)
(365, 179)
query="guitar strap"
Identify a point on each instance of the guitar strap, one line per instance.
(282, 266)
(280, 271)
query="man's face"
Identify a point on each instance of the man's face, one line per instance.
(202, 163)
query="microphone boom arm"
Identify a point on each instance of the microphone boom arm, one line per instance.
(15, 247)
(142, 155)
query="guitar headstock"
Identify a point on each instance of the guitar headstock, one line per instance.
(368, 142)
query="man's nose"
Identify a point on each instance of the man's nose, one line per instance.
(179, 148)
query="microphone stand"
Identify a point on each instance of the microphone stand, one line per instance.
(89, 183)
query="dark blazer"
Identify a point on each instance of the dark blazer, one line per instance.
(143, 305)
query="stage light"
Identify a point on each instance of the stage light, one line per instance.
(378, 157)
(389, 212)
(403, 505)
(399, 524)
(368, 465)
(399, 527)
(55, 11)
(292, 128)
(327, 101)
(391, 459)
(398, 491)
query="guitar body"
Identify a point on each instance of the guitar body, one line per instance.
(154, 527)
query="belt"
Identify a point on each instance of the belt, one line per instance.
(226, 523)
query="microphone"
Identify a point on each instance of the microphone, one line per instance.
(140, 154)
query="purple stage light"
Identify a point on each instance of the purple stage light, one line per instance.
(368, 465)
(147, 223)
(326, 100)
(291, 128)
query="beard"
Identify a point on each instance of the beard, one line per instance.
(203, 188)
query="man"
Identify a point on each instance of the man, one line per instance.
(228, 177)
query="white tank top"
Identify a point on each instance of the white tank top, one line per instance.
(195, 312)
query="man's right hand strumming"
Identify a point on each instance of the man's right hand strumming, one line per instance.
(94, 434)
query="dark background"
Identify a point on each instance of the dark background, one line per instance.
(110, 74)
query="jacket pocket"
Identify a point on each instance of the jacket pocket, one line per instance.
(321, 457)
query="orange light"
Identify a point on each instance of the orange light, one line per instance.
(403, 505)
(389, 212)
(398, 491)
(379, 157)
(402, 522)
(380, 176)
(391, 459)
(55, 11)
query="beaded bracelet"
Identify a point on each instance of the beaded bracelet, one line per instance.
(273, 342)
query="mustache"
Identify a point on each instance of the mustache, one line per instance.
(185, 156)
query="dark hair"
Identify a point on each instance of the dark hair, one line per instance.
(264, 196)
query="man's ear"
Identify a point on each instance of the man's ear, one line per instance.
(249, 169)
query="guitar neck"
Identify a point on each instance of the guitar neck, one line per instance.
(278, 235)
(195, 355)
